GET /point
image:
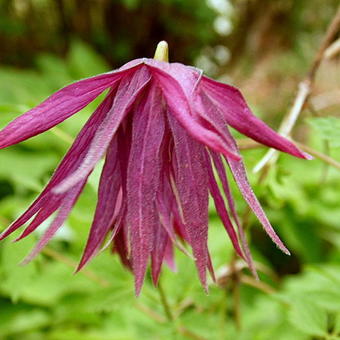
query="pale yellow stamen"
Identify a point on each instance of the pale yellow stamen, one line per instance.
(162, 51)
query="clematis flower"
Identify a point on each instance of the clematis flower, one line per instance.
(164, 131)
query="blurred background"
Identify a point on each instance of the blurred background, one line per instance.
(265, 47)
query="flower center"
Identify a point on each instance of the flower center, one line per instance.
(162, 51)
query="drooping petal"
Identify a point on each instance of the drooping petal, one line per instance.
(237, 168)
(239, 173)
(221, 209)
(110, 183)
(222, 175)
(165, 205)
(143, 179)
(237, 114)
(213, 116)
(44, 213)
(63, 212)
(58, 107)
(73, 158)
(169, 256)
(121, 247)
(188, 77)
(158, 252)
(181, 109)
(129, 90)
(191, 181)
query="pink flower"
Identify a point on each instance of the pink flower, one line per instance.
(163, 127)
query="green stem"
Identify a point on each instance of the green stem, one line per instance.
(165, 303)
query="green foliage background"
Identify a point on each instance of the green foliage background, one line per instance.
(298, 297)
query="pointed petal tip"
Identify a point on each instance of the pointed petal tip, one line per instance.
(233, 156)
(138, 289)
(26, 260)
(2, 236)
(206, 289)
(307, 156)
(285, 251)
(79, 267)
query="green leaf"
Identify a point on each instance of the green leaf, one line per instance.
(308, 317)
(328, 128)
(25, 169)
(16, 278)
(84, 62)
(18, 319)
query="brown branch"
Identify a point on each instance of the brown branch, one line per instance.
(248, 144)
(165, 303)
(149, 312)
(304, 91)
(329, 160)
(69, 262)
(330, 35)
(250, 281)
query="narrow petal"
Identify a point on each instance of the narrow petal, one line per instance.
(68, 165)
(128, 91)
(110, 183)
(237, 114)
(212, 115)
(226, 188)
(169, 256)
(45, 212)
(62, 215)
(211, 268)
(221, 209)
(237, 168)
(165, 204)
(158, 252)
(58, 107)
(121, 247)
(191, 181)
(143, 179)
(239, 173)
(180, 108)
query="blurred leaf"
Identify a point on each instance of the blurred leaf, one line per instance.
(84, 62)
(328, 128)
(26, 169)
(308, 317)
(15, 278)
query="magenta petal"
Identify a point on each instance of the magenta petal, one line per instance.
(41, 216)
(128, 91)
(245, 247)
(110, 183)
(239, 173)
(58, 107)
(180, 108)
(221, 209)
(64, 211)
(158, 252)
(169, 256)
(237, 114)
(143, 180)
(121, 247)
(190, 169)
(165, 205)
(68, 165)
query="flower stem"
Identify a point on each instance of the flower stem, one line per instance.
(235, 288)
(165, 303)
